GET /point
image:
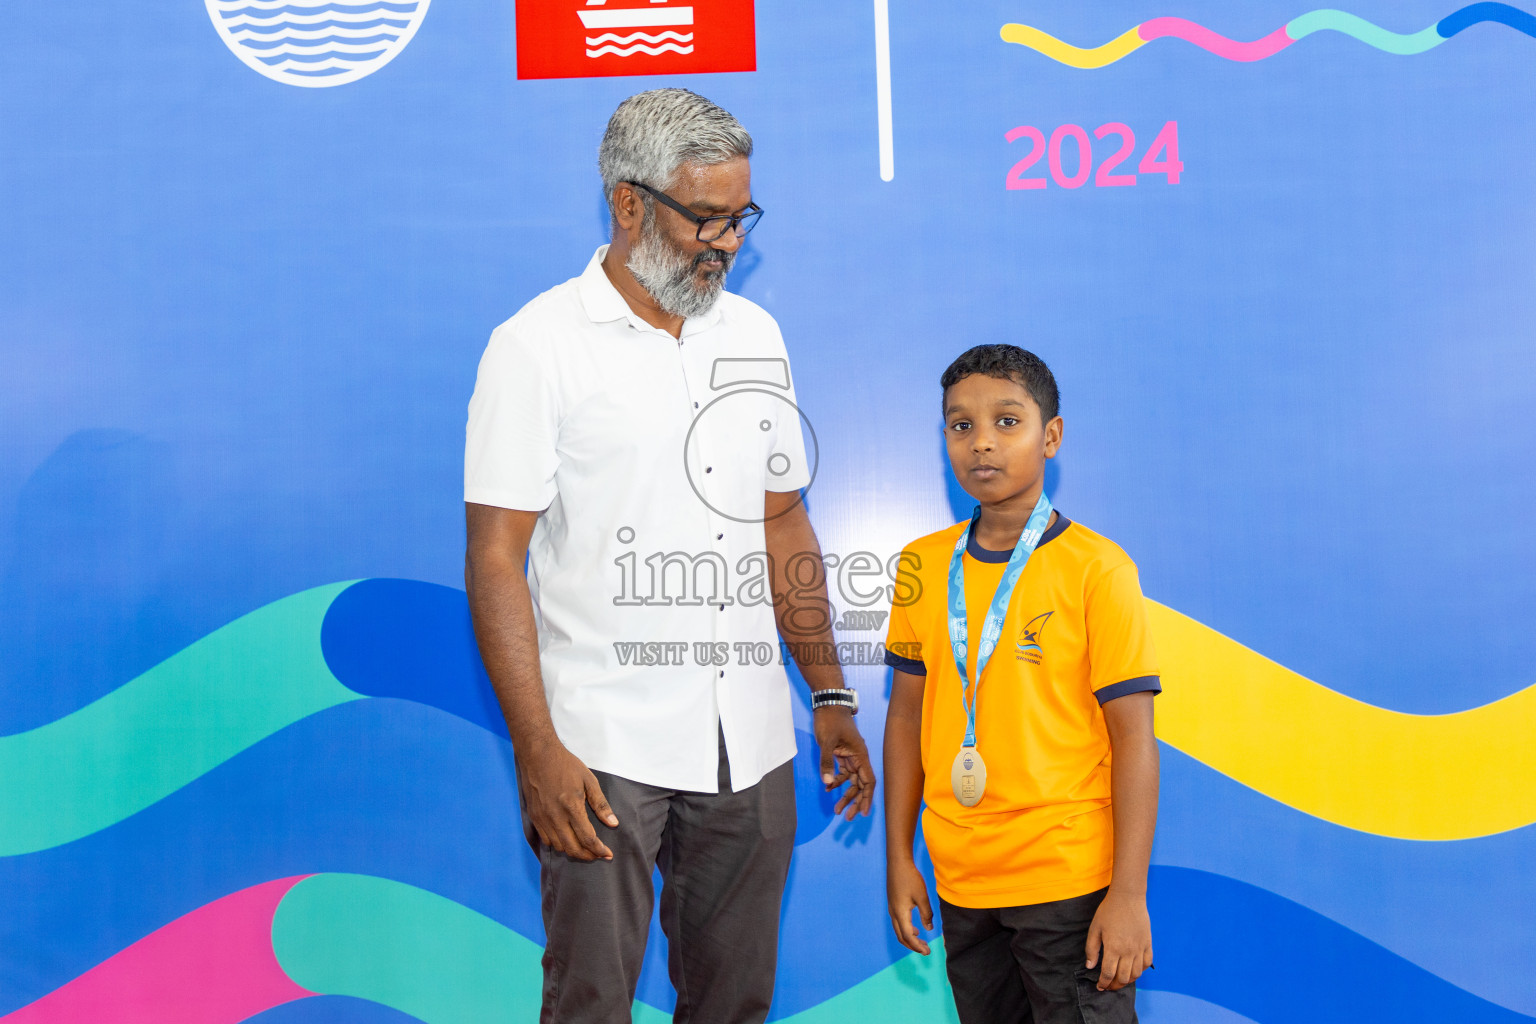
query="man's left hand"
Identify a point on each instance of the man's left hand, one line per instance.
(844, 758)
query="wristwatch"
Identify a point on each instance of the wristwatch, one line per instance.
(835, 698)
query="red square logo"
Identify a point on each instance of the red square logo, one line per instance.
(591, 38)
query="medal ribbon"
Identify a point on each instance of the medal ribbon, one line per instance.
(992, 625)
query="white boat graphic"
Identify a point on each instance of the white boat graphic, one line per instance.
(637, 17)
(627, 45)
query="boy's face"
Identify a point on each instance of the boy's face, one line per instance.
(997, 444)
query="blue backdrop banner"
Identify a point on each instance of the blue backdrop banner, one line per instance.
(1280, 261)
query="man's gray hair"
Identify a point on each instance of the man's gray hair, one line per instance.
(653, 133)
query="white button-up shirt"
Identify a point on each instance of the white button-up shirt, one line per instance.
(648, 456)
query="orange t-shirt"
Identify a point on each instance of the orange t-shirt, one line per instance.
(1075, 635)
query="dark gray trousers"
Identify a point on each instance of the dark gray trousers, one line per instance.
(723, 859)
(1024, 965)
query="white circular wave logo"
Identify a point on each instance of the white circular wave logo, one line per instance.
(316, 43)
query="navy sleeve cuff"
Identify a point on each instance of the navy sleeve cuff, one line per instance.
(1141, 684)
(911, 666)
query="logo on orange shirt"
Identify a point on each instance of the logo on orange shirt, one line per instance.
(1027, 647)
(594, 38)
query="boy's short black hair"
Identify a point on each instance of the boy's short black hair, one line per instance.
(1009, 362)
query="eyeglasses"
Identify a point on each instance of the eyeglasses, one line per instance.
(710, 228)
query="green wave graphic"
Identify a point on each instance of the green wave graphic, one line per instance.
(410, 949)
(439, 961)
(176, 722)
(1367, 33)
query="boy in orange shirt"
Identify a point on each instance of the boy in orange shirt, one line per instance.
(1040, 838)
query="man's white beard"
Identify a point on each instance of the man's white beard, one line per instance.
(668, 273)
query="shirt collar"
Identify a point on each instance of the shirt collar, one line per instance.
(599, 297)
(603, 303)
(981, 554)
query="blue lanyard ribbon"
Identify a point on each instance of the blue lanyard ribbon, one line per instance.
(992, 625)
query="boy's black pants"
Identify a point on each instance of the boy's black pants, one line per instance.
(1024, 965)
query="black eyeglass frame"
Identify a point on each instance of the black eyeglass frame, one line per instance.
(741, 223)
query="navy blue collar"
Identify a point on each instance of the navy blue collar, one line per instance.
(982, 554)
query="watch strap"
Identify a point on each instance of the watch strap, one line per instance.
(835, 698)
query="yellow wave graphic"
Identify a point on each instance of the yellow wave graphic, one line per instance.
(1438, 777)
(1066, 53)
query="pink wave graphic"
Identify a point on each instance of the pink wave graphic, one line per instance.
(212, 966)
(1220, 45)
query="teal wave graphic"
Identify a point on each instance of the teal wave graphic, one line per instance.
(1371, 35)
(170, 725)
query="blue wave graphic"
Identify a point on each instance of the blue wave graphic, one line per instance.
(282, 12)
(1502, 14)
(259, 45)
(332, 1010)
(317, 58)
(1273, 960)
(1430, 902)
(247, 31)
(414, 640)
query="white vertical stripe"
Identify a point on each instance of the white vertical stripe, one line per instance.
(883, 89)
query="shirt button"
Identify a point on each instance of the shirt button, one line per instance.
(709, 469)
(719, 536)
(722, 608)
(722, 673)
(695, 405)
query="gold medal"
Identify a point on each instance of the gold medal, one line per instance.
(968, 778)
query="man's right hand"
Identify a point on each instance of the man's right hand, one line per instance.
(557, 788)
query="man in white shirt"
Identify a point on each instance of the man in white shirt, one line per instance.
(633, 436)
